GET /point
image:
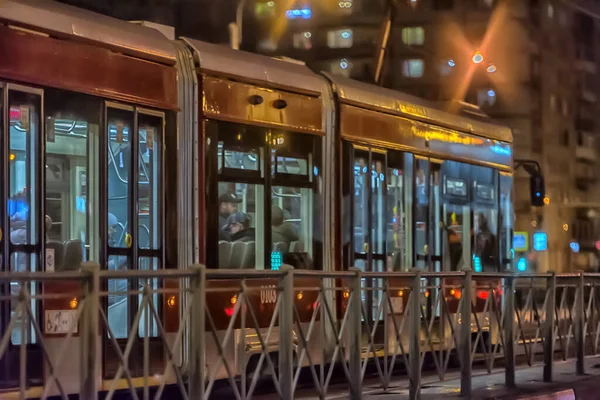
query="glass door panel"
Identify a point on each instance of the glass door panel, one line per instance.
(21, 217)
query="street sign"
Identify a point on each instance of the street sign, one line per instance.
(540, 241)
(521, 241)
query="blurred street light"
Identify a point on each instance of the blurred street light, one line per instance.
(477, 57)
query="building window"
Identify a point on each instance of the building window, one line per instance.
(564, 108)
(564, 139)
(345, 6)
(340, 39)
(552, 103)
(264, 9)
(302, 40)
(550, 10)
(413, 36)
(486, 97)
(413, 68)
(267, 45)
(443, 4)
(486, 3)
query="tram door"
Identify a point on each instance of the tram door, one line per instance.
(21, 225)
(427, 229)
(370, 220)
(132, 230)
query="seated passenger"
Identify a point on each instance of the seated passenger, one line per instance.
(283, 232)
(238, 227)
(227, 206)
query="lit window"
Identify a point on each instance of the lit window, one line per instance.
(413, 68)
(486, 97)
(267, 45)
(413, 36)
(550, 11)
(299, 13)
(302, 40)
(340, 39)
(345, 5)
(264, 9)
(565, 107)
(341, 67)
(552, 102)
(487, 3)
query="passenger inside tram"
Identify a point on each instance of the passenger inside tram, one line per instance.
(228, 205)
(238, 228)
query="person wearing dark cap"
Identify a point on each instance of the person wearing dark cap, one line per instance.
(227, 206)
(238, 227)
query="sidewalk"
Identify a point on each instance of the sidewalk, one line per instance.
(566, 386)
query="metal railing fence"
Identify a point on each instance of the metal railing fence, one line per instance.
(364, 326)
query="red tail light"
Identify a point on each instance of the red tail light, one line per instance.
(483, 294)
(229, 311)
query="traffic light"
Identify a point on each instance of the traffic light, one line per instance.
(538, 191)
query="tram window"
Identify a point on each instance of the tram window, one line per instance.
(292, 165)
(232, 158)
(241, 227)
(456, 214)
(421, 212)
(506, 219)
(120, 123)
(118, 299)
(71, 136)
(292, 226)
(22, 262)
(24, 167)
(485, 219)
(378, 200)
(396, 219)
(149, 264)
(361, 206)
(149, 199)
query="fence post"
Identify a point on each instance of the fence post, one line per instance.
(355, 333)
(580, 325)
(549, 328)
(286, 328)
(197, 366)
(89, 331)
(465, 335)
(509, 332)
(414, 349)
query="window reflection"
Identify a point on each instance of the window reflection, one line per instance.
(396, 219)
(421, 212)
(241, 228)
(292, 226)
(120, 123)
(361, 210)
(149, 200)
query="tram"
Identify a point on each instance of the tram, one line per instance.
(140, 151)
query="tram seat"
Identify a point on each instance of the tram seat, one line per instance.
(73, 255)
(297, 247)
(58, 248)
(224, 253)
(249, 253)
(280, 247)
(237, 255)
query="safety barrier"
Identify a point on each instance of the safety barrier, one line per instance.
(353, 322)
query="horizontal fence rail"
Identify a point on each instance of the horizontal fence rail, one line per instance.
(226, 331)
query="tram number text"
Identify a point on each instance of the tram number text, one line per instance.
(268, 294)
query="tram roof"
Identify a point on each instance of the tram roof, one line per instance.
(254, 68)
(394, 102)
(68, 21)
